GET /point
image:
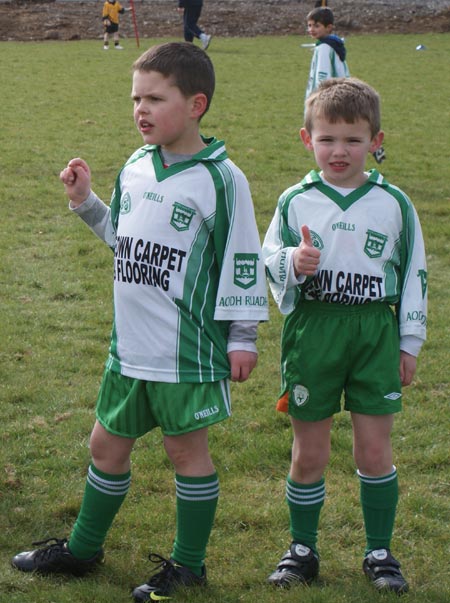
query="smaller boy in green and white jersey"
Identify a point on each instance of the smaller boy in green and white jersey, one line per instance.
(329, 55)
(189, 291)
(343, 250)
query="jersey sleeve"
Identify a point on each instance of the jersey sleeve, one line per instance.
(242, 290)
(324, 64)
(97, 216)
(412, 309)
(278, 259)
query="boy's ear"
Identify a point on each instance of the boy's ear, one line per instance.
(306, 139)
(377, 141)
(199, 104)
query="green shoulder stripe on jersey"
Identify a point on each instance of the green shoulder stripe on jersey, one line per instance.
(288, 235)
(115, 202)
(112, 362)
(407, 237)
(204, 268)
(139, 153)
(215, 151)
(225, 187)
(333, 56)
(311, 178)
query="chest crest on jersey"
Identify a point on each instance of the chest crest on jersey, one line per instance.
(125, 204)
(375, 244)
(181, 216)
(316, 240)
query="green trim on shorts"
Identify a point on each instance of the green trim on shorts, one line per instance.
(131, 407)
(330, 351)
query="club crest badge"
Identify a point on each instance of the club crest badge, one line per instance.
(125, 204)
(300, 395)
(245, 269)
(316, 240)
(375, 244)
(181, 216)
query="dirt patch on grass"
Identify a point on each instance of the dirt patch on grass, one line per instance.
(71, 20)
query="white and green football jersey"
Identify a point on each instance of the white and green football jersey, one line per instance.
(325, 64)
(371, 249)
(187, 262)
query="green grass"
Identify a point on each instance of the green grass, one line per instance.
(61, 100)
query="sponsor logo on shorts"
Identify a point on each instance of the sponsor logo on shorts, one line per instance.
(206, 412)
(393, 396)
(301, 395)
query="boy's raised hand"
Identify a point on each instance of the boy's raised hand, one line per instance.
(76, 178)
(306, 256)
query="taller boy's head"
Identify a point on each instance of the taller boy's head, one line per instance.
(344, 99)
(320, 22)
(189, 67)
(173, 85)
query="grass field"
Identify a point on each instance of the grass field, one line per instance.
(61, 100)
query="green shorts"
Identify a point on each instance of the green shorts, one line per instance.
(329, 350)
(131, 407)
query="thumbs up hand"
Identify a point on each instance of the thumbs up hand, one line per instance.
(306, 256)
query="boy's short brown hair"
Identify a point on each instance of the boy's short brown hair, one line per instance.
(322, 14)
(189, 66)
(346, 98)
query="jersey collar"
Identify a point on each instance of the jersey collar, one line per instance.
(344, 202)
(214, 151)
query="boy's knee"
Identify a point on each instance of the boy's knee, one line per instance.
(374, 460)
(310, 463)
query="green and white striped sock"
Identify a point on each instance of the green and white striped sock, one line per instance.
(196, 507)
(103, 497)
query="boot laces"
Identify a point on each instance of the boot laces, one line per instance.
(52, 547)
(167, 573)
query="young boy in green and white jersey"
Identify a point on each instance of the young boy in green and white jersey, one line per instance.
(189, 291)
(344, 248)
(329, 54)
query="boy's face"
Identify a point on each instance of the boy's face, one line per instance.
(164, 116)
(341, 149)
(317, 30)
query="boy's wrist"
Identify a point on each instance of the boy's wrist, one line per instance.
(239, 346)
(410, 344)
(75, 204)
